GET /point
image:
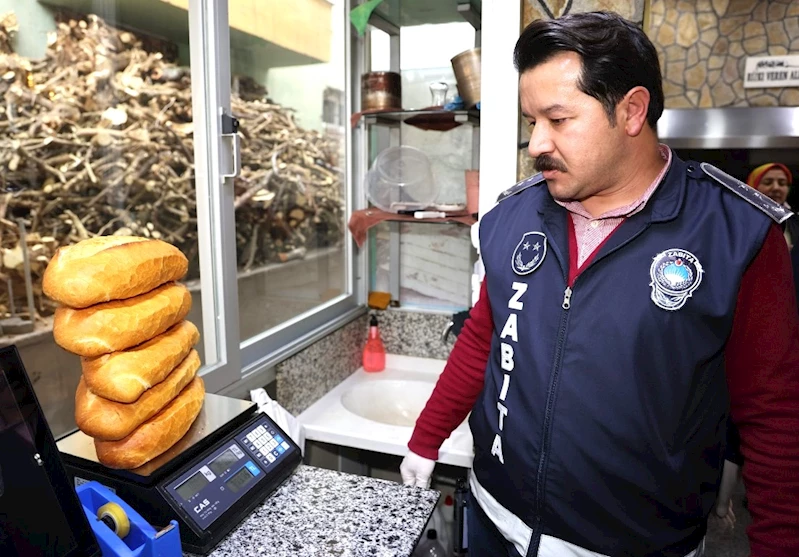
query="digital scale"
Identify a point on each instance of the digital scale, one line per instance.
(230, 460)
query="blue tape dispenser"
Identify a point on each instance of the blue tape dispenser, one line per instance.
(120, 530)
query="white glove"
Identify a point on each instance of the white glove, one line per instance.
(416, 470)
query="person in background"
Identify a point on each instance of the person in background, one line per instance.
(631, 301)
(774, 180)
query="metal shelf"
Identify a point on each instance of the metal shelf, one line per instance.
(379, 130)
(396, 117)
(393, 14)
(470, 11)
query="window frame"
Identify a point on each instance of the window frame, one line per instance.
(241, 364)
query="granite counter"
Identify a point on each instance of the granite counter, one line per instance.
(318, 513)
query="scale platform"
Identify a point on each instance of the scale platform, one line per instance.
(230, 460)
(218, 415)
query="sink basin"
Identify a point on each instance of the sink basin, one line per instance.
(389, 401)
(377, 411)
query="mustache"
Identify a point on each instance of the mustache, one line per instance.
(545, 162)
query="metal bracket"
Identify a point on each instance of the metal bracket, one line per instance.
(230, 129)
(470, 13)
(380, 22)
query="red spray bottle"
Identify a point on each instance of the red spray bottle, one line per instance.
(374, 353)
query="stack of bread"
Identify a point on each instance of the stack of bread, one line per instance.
(124, 313)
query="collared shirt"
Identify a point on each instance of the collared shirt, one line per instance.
(592, 231)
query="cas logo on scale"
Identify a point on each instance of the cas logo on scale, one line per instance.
(198, 509)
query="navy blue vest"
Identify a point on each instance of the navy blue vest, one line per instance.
(602, 417)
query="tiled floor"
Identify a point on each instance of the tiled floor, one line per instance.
(725, 543)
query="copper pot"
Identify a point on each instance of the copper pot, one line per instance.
(466, 66)
(381, 91)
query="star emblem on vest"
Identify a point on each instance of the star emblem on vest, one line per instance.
(676, 274)
(529, 253)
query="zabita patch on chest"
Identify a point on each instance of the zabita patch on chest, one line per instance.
(675, 275)
(529, 253)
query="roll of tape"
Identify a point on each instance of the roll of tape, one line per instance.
(115, 518)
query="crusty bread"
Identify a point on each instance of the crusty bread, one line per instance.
(123, 376)
(157, 435)
(113, 326)
(109, 268)
(110, 421)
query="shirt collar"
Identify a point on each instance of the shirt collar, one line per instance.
(632, 208)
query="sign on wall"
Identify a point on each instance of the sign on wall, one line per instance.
(771, 71)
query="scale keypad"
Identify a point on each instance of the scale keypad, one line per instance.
(238, 466)
(266, 444)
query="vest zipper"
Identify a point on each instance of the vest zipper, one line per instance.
(540, 480)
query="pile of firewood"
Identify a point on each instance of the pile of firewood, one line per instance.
(96, 139)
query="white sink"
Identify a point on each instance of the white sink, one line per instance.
(390, 401)
(377, 411)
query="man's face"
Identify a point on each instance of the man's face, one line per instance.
(571, 136)
(774, 184)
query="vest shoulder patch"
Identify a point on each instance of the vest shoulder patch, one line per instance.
(528, 182)
(777, 212)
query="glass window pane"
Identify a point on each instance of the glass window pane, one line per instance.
(289, 90)
(96, 139)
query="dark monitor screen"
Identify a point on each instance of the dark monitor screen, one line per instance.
(40, 514)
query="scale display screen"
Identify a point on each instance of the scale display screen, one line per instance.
(192, 486)
(239, 480)
(223, 462)
(236, 469)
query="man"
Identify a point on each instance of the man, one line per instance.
(630, 300)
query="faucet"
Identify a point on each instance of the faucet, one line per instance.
(455, 325)
(447, 331)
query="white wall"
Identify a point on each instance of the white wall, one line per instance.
(499, 100)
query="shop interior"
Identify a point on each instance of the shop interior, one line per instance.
(322, 165)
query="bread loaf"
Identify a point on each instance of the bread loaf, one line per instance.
(113, 326)
(157, 435)
(109, 268)
(110, 421)
(123, 376)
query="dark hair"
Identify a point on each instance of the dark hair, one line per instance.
(616, 56)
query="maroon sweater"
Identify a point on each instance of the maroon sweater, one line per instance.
(762, 377)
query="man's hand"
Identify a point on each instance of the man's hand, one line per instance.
(416, 470)
(725, 516)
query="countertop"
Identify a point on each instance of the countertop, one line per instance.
(390, 402)
(320, 513)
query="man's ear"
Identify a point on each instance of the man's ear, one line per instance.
(633, 109)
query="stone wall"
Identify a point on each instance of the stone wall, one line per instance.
(547, 9)
(703, 46)
(310, 374)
